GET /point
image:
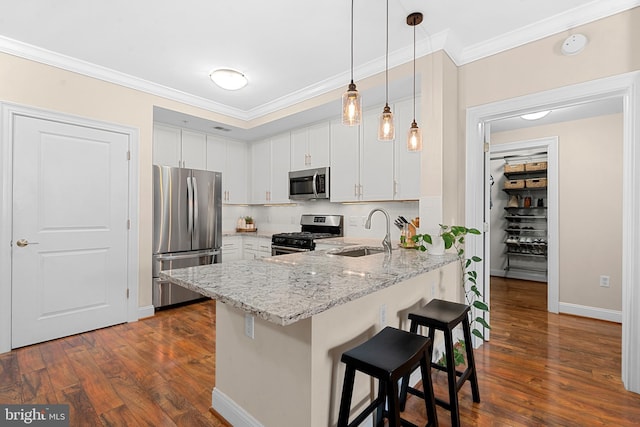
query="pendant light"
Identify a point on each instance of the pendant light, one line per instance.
(351, 101)
(386, 129)
(414, 140)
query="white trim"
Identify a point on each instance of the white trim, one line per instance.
(550, 145)
(626, 86)
(592, 312)
(233, 413)
(146, 311)
(8, 111)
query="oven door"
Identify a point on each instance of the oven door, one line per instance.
(284, 250)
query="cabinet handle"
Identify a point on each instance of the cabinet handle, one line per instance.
(361, 191)
(395, 187)
(355, 190)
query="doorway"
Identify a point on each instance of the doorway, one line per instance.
(70, 262)
(623, 86)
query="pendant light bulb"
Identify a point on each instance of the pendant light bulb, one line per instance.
(414, 140)
(414, 137)
(386, 128)
(351, 100)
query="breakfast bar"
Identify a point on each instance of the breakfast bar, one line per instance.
(283, 322)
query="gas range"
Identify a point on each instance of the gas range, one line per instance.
(314, 227)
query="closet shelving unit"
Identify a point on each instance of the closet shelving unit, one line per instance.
(526, 223)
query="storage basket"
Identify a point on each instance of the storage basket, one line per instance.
(514, 183)
(510, 168)
(536, 183)
(535, 166)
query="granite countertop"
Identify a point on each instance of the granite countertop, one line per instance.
(287, 288)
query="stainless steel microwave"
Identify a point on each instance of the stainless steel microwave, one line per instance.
(309, 184)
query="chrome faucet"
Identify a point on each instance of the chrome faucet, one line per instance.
(386, 242)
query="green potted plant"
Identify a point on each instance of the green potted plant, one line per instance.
(249, 222)
(454, 237)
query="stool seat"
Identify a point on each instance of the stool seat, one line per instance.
(445, 316)
(388, 356)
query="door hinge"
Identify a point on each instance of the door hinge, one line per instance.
(128, 224)
(128, 155)
(127, 293)
(486, 147)
(485, 227)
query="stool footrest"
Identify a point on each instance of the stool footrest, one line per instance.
(365, 413)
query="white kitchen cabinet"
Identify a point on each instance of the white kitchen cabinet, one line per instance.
(345, 159)
(179, 147)
(231, 248)
(256, 247)
(376, 161)
(366, 169)
(270, 161)
(406, 164)
(230, 158)
(310, 147)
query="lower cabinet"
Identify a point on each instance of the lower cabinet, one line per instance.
(231, 248)
(255, 247)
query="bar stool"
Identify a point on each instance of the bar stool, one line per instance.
(388, 356)
(445, 316)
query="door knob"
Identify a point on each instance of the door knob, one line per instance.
(24, 242)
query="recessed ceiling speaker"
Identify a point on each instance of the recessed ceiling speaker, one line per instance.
(574, 44)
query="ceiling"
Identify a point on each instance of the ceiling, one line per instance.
(290, 50)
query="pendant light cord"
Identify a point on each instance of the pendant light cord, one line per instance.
(414, 72)
(352, 41)
(386, 74)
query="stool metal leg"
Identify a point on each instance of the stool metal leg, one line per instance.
(471, 363)
(345, 401)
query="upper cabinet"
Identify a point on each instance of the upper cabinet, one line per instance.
(230, 158)
(365, 169)
(270, 162)
(310, 147)
(179, 147)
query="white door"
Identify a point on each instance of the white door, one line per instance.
(69, 253)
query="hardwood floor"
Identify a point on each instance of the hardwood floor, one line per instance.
(539, 369)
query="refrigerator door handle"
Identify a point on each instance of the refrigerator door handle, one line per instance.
(189, 205)
(196, 202)
(185, 256)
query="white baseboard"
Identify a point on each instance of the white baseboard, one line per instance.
(147, 311)
(231, 411)
(592, 312)
(523, 275)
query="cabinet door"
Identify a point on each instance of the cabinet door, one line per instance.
(300, 149)
(231, 248)
(318, 141)
(217, 155)
(376, 166)
(235, 178)
(260, 170)
(406, 163)
(194, 150)
(344, 162)
(280, 163)
(166, 146)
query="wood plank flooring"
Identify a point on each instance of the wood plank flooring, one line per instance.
(539, 369)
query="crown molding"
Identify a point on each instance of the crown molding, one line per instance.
(581, 15)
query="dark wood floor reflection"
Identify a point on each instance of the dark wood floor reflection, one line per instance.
(539, 369)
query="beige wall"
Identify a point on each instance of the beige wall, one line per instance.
(589, 206)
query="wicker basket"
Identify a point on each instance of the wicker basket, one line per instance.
(536, 183)
(514, 183)
(518, 167)
(535, 166)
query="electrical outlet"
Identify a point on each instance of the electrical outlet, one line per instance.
(433, 289)
(604, 281)
(383, 315)
(248, 325)
(353, 221)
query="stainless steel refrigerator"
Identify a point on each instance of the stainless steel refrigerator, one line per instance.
(187, 226)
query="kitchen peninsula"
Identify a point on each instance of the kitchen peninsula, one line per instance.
(308, 309)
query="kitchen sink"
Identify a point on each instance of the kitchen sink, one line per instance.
(358, 252)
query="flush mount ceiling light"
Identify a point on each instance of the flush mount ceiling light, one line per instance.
(228, 79)
(414, 140)
(535, 116)
(574, 44)
(351, 101)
